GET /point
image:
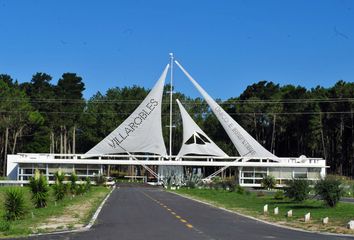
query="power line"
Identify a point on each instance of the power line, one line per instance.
(242, 113)
(186, 102)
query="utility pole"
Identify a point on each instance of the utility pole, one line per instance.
(171, 99)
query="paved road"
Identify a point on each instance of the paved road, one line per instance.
(147, 213)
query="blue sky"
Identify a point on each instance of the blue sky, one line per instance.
(225, 45)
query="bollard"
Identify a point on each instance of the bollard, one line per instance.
(276, 211)
(289, 213)
(265, 209)
(325, 220)
(307, 217)
(351, 225)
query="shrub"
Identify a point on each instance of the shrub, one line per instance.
(329, 190)
(80, 189)
(59, 188)
(87, 184)
(297, 190)
(100, 180)
(73, 179)
(39, 188)
(59, 176)
(4, 226)
(14, 204)
(240, 190)
(268, 182)
(279, 195)
(59, 191)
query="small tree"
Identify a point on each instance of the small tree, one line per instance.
(73, 186)
(59, 188)
(329, 190)
(298, 190)
(14, 204)
(268, 182)
(39, 188)
(88, 184)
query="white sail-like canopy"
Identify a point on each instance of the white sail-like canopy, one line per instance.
(245, 144)
(195, 141)
(141, 131)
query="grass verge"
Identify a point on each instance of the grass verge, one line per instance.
(69, 213)
(252, 205)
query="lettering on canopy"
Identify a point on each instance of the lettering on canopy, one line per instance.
(234, 130)
(137, 121)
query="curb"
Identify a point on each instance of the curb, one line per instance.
(82, 229)
(263, 221)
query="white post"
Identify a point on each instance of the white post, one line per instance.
(276, 211)
(307, 217)
(265, 209)
(325, 220)
(290, 213)
(171, 99)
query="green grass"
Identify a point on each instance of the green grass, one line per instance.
(39, 217)
(252, 205)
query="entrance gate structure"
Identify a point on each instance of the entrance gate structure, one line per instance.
(141, 132)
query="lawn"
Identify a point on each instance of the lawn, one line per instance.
(69, 213)
(251, 204)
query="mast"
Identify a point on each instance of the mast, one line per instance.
(171, 99)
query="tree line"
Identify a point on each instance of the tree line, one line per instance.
(41, 117)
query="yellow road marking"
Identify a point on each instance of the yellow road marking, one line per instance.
(189, 225)
(184, 221)
(178, 217)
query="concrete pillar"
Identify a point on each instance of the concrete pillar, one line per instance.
(289, 213)
(265, 209)
(276, 211)
(307, 217)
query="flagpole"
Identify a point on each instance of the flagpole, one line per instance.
(171, 99)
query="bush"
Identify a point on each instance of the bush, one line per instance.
(87, 184)
(297, 190)
(4, 226)
(100, 180)
(39, 188)
(279, 195)
(14, 204)
(59, 176)
(80, 189)
(240, 190)
(59, 191)
(329, 190)
(268, 182)
(73, 186)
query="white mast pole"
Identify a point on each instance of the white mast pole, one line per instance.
(171, 99)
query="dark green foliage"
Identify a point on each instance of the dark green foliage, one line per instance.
(279, 195)
(329, 190)
(240, 190)
(88, 184)
(298, 190)
(39, 188)
(100, 180)
(14, 204)
(73, 178)
(268, 182)
(59, 190)
(4, 225)
(80, 189)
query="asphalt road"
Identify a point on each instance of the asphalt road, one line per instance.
(147, 213)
